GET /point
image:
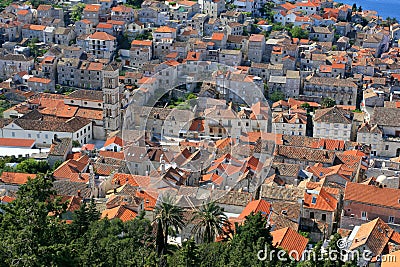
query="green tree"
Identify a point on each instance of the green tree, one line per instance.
(75, 143)
(305, 106)
(28, 236)
(328, 102)
(210, 220)
(169, 220)
(266, 11)
(360, 9)
(4, 4)
(298, 32)
(77, 11)
(354, 7)
(186, 256)
(33, 166)
(276, 96)
(251, 237)
(82, 219)
(134, 3)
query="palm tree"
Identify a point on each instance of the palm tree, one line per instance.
(168, 217)
(210, 222)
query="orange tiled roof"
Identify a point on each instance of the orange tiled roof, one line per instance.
(149, 197)
(88, 113)
(134, 180)
(39, 80)
(374, 234)
(102, 36)
(16, 178)
(290, 240)
(165, 29)
(256, 206)
(114, 140)
(37, 27)
(92, 8)
(120, 212)
(142, 42)
(7, 199)
(86, 21)
(71, 169)
(23, 12)
(122, 8)
(368, 194)
(43, 7)
(193, 56)
(112, 154)
(217, 36)
(103, 25)
(16, 142)
(324, 201)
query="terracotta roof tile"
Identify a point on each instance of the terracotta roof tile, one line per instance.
(102, 36)
(290, 240)
(165, 29)
(324, 200)
(16, 142)
(368, 194)
(374, 234)
(16, 178)
(120, 212)
(256, 206)
(114, 140)
(112, 154)
(92, 8)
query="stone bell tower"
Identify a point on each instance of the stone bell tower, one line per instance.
(111, 99)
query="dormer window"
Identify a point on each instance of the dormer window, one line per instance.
(314, 200)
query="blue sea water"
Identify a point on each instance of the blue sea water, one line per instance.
(385, 8)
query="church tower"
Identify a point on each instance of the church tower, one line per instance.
(111, 99)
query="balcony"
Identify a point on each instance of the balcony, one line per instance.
(219, 125)
(391, 138)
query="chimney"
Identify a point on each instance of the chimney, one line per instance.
(79, 193)
(163, 167)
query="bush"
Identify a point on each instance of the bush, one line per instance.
(75, 143)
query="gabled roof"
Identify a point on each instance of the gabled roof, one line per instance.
(92, 8)
(122, 8)
(373, 195)
(320, 201)
(256, 206)
(374, 234)
(114, 140)
(16, 142)
(101, 36)
(386, 116)
(165, 29)
(134, 180)
(120, 212)
(43, 7)
(72, 169)
(333, 115)
(142, 43)
(16, 178)
(291, 241)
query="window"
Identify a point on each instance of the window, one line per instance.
(46, 136)
(311, 215)
(323, 217)
(391, 219)
(386, 147)
(314, 200)
(29, 136)
(364, 215)
(13, 134)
